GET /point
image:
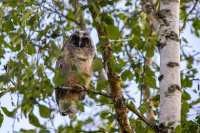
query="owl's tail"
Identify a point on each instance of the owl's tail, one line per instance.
(68, 99)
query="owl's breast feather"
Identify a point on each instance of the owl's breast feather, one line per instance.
(81, 74)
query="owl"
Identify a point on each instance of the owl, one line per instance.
(75, 66)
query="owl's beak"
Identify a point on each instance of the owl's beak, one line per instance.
(67, 108)
(69, 113)
(63, 113)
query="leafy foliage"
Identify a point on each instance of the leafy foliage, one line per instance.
(32, 33)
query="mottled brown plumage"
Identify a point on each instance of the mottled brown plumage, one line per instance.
(76, 67)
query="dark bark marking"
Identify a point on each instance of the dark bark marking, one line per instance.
(162, 16)
(163, 13)
(161, 45)
(173, 88)
(166, 94)
(166, 127)
(172, 35)
(162, 128)
(160, 77)
(172, 64)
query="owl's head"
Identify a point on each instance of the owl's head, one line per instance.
(81, 39)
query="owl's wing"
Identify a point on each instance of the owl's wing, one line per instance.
(60, 63)
(63, 67)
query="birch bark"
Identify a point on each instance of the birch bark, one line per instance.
(169, 46)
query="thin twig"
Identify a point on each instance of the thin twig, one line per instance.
(131, 106)
(89, 91)
(187, 15)
(54, 10)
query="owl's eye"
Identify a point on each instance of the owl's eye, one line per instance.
(74, 39)
(85, 42)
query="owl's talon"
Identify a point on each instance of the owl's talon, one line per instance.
(80, 87)
(63, 114)
(82, 95)
(82, 90)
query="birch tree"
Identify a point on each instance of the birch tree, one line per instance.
(169, 46)
(129, 37)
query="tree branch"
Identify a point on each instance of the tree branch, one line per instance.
(54, 10)
(113, 78)
(89, 91)
(132, 107)
(190, 12)
(79, 14)
(129, 104)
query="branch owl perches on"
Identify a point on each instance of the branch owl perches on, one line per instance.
(76, 68)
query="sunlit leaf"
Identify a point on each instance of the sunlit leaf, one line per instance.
(8, 113)
(44, 111)
(34, 120)
(1, 119)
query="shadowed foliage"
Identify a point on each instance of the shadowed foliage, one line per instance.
(124, 91)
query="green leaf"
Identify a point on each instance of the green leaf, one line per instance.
(150, 130)
(116, 64)
(178, 129)
(44, 111)
(102, 84)
(88, 120)
(70, 14)
(12, 3)
(103, 100)
(122, 16)
(117, 47)
(149, 78)
(34, 120)
(113, 32)
(97, 64)
(150, 52)
(107, 19)
(26, 15)
(127, 75)
(186, 96)
(8, 26)
(196, 25)
(139, 127)
(8, 113)
(1, 52)
(184, 110)
(80, 106)
(1, 119)
(143, 108)
(44, 131)
(4, 79)
(104, 114)
(58, 78)
(27, 131)
(30, 49)
(186, 82)
(28, 1)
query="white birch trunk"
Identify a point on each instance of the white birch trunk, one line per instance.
(170, 86)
